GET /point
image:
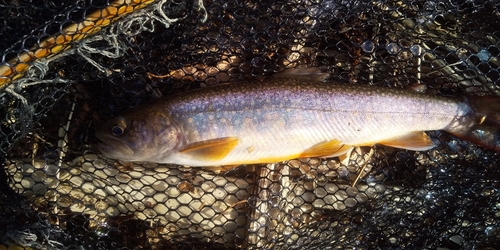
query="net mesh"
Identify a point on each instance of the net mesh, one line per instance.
(68, 66)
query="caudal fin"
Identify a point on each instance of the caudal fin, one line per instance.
(485, 130)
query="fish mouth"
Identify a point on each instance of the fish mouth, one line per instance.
(113, 148)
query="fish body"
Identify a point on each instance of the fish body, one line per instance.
(278, 119)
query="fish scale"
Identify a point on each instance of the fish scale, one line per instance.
(282, 118)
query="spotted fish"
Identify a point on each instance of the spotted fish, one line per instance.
(290, 116)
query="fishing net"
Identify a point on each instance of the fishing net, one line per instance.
(66, 66)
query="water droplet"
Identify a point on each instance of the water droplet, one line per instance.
(484, 55)
(368, 46)
(416, 50)
(392, 48)
(51, 169)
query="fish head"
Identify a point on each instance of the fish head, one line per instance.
(140, 135)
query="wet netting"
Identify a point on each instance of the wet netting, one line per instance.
(66, 66)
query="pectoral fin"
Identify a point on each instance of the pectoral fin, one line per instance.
(211, 150)
(326, 149)
(417, 141)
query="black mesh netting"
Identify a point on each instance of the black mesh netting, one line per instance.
(64, 70)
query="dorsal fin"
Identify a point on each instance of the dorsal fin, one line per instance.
(302, 72)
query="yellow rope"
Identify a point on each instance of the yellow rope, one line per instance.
(16, 67)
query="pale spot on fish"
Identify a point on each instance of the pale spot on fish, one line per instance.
(237, 122)
(190, 120)
(250, 149)
(193, 134)
(279, 123)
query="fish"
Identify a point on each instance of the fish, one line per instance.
(290, 116)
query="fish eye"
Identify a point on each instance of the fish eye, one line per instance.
(117, 130)
(119, 126)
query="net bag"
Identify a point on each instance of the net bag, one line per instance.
(66, 66)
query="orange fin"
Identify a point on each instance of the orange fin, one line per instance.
(417, 141)
(211, 150)
(326, 149)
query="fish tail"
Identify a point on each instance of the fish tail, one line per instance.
(484, 122)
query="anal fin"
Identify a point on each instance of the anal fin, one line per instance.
(416, 141)
(211, 150)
